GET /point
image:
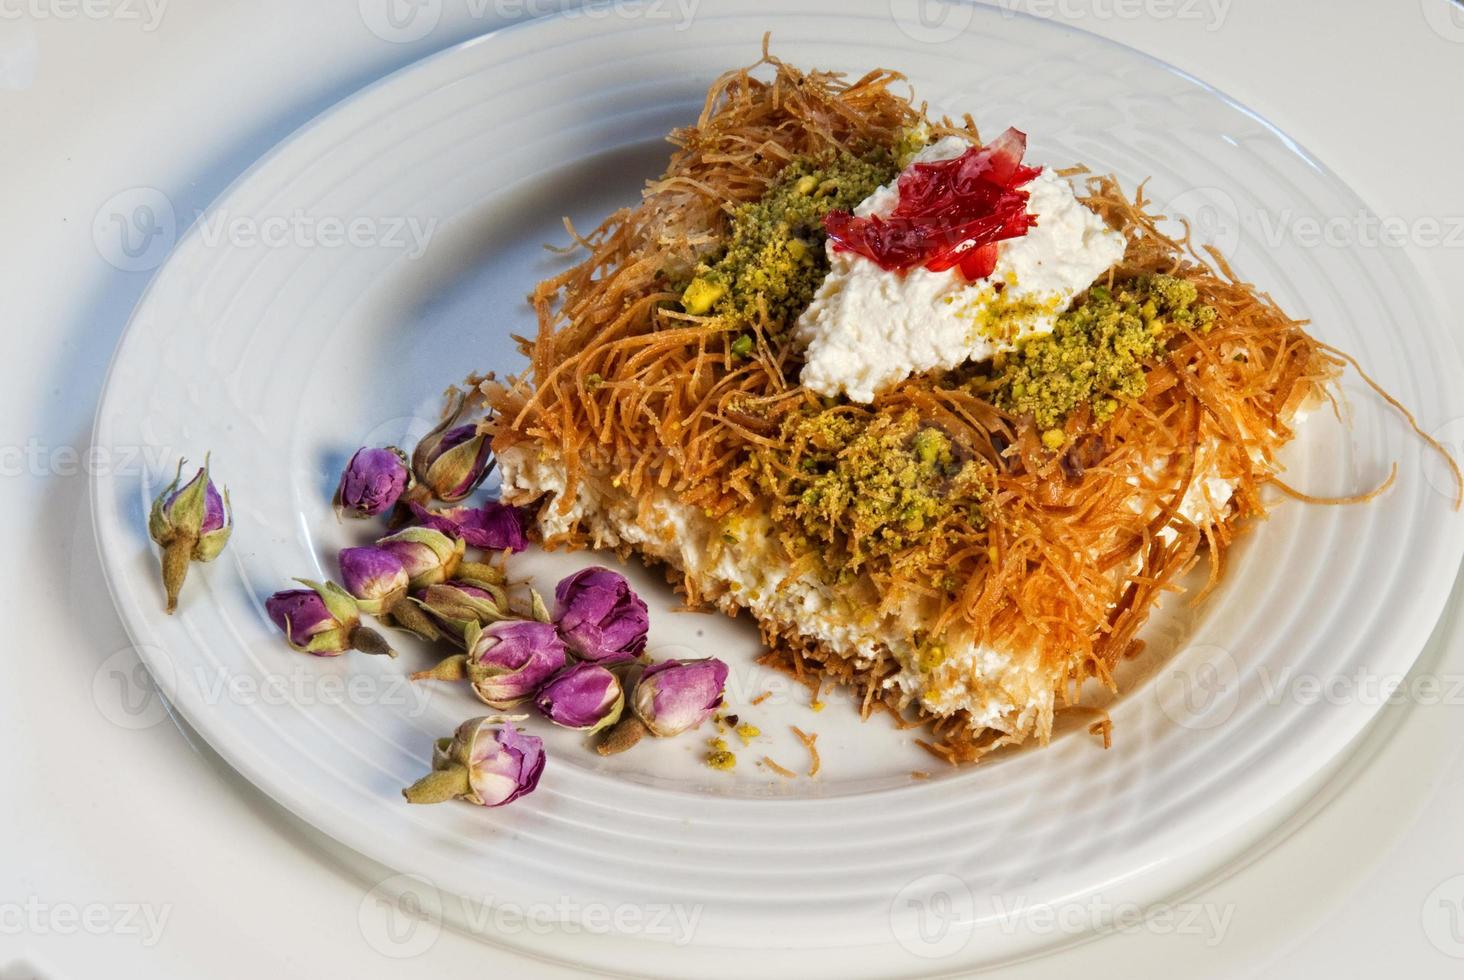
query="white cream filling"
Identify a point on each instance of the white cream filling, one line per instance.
(869, 327)
(1001, 691)
(1007, 692)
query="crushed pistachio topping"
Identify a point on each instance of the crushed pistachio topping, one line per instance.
(1097, 352)
(1003, 316)
(747, 731)
(721, 759)
(775, 259)
(914, 139)
(870, 487)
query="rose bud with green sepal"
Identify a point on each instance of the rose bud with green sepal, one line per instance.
(675, 696)
(375, 577)
(506, 662)
(323, 619)
(538, 608)
(671, 697)
(601, 618)
(494, 526)
(378, 581)
(586, 697)
(373, 481)
(459, 604)
(432, 557)
(452, 459)
(191, 523)
(488, 762)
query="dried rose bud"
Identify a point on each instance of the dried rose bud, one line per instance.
(675, 696)
(509, 660)
(493, 527)
(375, 577)
(372, 483)
(488, 762)
(460, 604)
(601, 619)
(672, 697)
(191, 524)
(586, 697)
(453, 458)
(430, 557)
(378, 581)
(324, 620)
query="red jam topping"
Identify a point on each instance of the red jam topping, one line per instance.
(951, 212)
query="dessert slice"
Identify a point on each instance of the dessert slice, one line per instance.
(947, 428)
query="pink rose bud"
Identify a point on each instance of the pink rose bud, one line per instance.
(372, 483)
(323, 620)
(671, 697)
(487, 762)
(375, 577)
(430, 557)
(378, 581)
(453, 458)
(191, 524)
(586, 697)
(599, 616)
(508, 661)
(675, 696)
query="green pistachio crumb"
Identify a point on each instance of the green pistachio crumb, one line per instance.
(1097, 352)
(721, 759)
(702, 295)
(912, 141)
(871, 487)
(774, 258)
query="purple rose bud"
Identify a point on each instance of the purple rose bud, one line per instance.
(375, 577)
(509, 660)
(453, 458)
(191, 523)
(373, 481)
(302, 615)
(675, 696)
(493, 527)
(214, 514)
(488, 762)
(601, 619)
(323, 620)
(429, 556)
(587, 697)
(458, 605)
(378, 581)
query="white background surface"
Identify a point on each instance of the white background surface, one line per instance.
(110, 817)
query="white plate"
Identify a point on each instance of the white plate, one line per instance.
(280, 349)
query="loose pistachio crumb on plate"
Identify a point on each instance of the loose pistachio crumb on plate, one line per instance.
(721, 759)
